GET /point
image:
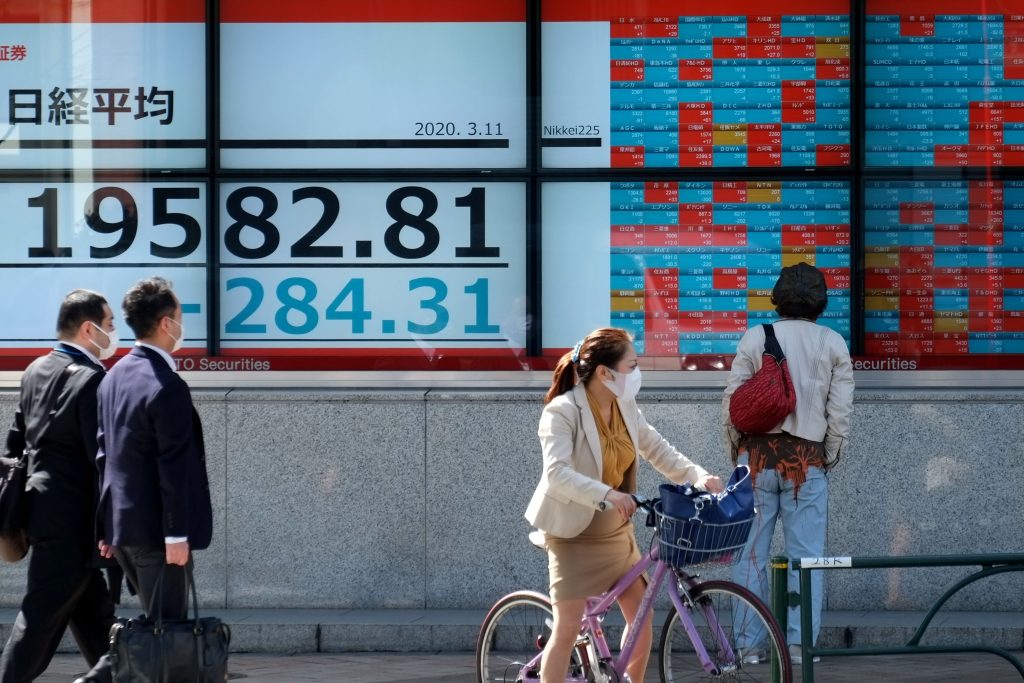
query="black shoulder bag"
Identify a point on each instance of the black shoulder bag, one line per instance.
(147, 650)
(13, 539)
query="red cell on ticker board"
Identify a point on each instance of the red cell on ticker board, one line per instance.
(729, 192)
(729, 278)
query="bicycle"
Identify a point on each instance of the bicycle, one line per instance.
(697, 638)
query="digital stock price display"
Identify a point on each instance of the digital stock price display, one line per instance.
(412, 243)
(945, 83)
(373, 84)
(729, 84)
(301, 270)
(690, 265)
(944, 268)
(416, 266)
(107, 85)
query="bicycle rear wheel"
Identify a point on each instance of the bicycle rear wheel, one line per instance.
(720, 610)
(513, 633)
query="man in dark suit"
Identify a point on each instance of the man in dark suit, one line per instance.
(55, 428)
(154, 506)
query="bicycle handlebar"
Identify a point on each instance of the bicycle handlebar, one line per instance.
(641, 503)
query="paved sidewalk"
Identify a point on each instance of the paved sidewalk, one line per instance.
(379, 667)
(292, 631)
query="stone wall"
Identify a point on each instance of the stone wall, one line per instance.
(348, 498)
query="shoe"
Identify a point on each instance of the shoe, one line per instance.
(749, 656)
(797, 658)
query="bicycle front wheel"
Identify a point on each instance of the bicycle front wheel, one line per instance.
(724, 614)
(514, 634)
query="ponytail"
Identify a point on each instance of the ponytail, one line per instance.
(563, 379)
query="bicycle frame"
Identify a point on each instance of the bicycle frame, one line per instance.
(598, 606)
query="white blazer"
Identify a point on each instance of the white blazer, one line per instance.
(570, 488)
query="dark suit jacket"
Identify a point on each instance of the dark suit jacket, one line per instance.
(151, 459)
(60, 443)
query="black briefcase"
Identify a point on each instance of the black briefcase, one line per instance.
(13, 541)
(159, 650)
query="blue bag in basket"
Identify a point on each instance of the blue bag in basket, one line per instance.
(695, 526)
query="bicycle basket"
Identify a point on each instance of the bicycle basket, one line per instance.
(686, 542)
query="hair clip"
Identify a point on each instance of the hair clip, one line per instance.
(576, 351)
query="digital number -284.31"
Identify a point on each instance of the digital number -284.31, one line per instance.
(297, 313)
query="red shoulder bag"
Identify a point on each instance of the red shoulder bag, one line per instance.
(764, 400)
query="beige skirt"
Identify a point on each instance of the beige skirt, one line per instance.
(592, 562)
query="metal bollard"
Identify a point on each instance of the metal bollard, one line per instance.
(780, 603)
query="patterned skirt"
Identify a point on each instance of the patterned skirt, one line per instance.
(788, 455)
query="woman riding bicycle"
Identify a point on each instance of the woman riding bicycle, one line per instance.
(591, 431)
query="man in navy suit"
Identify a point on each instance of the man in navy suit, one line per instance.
(55, 428)
(154, 506)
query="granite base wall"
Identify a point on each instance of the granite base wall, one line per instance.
(414, 499)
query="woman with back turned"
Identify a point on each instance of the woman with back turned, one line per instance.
(789, 463)
(591, 432)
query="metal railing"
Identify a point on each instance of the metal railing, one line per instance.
(782, 599)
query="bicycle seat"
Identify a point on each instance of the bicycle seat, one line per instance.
(537, 538)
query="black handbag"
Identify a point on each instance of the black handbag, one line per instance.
(13, 538)
(159, 650)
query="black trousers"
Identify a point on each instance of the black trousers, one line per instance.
(62, 591)
(143, 568)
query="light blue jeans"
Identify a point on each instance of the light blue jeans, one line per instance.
(803, 528)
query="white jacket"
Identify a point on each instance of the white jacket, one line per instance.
(570, 487)
(819, 363)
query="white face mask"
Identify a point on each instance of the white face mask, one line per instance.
(181, 335)
(626, 385)
(105, 352)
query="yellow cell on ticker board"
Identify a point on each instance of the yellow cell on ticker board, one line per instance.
(881, 260)
(729, 137)
(760, 303)
(764, 196)
(627, 303)
(881, 303)
(950, 324)
(793, 259)
(826, 50)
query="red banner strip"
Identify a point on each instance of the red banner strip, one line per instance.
(367, 11)
(102, 11)
(933, 7)
(608, 10)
